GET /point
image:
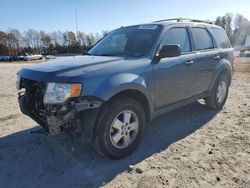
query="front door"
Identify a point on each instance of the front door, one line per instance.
(173, 76)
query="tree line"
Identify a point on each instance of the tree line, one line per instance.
(14, 42)
(237, 27)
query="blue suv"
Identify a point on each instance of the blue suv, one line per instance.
(132, 75)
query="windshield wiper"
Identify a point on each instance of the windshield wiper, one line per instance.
(86, 53)
(105, 55)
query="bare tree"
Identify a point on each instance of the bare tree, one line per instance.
(30, 37)
(90, 40)
(97, 37)
(240, 20)
(3, 43)
(54, 38)
(3, 38)
(71, 38)
(18, 37)
(59, 35)
(81, 38)
(45, 39)
(12, 44)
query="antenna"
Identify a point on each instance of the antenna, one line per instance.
(76, 20)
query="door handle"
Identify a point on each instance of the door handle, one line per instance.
(216, 57)
(189, 62)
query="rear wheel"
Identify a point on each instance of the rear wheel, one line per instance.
(219, 93)
(119, 127)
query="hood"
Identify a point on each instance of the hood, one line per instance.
(65, 69)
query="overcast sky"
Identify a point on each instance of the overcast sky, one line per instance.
(97, 15)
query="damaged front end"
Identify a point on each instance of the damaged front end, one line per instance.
(75, 114)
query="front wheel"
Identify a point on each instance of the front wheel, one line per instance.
(219, 93)
(119, 127)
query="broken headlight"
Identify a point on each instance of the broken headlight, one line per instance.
(59, 92)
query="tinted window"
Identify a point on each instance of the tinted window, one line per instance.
(133, 41)
(221, 38)
(116, 45)
(202, 39)
(178, 36)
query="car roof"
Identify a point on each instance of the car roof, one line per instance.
(184, 21)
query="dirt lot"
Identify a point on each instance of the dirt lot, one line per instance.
(188, 147)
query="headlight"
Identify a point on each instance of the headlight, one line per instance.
(58, 93)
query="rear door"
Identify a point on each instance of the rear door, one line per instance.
(223, 43)
(208, 56)
(172, 75)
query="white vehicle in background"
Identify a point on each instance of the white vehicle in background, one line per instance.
(246, 47)
(50, 57)
(29, 57)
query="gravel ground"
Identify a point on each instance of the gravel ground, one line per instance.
(188, 147)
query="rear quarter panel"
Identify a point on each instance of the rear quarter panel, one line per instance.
(226, 63)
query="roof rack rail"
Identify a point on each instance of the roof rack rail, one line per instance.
(185, 19)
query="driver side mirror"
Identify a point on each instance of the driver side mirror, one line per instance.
(169, 51)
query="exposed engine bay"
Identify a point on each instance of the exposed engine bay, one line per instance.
(54, 118)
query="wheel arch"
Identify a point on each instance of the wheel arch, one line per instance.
(227, 73)
(224, 67)
(125, 84)
(135, 94)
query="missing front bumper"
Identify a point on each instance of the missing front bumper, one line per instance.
(69, 116)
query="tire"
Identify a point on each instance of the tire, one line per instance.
(114, 137)
(215, 100)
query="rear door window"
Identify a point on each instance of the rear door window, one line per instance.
(178, 36)
(221, 38)
(202, 39)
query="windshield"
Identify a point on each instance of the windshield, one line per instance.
(133, 41)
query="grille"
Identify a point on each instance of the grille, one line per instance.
(34, 92)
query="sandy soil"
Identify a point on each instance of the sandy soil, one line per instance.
(188, 147)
